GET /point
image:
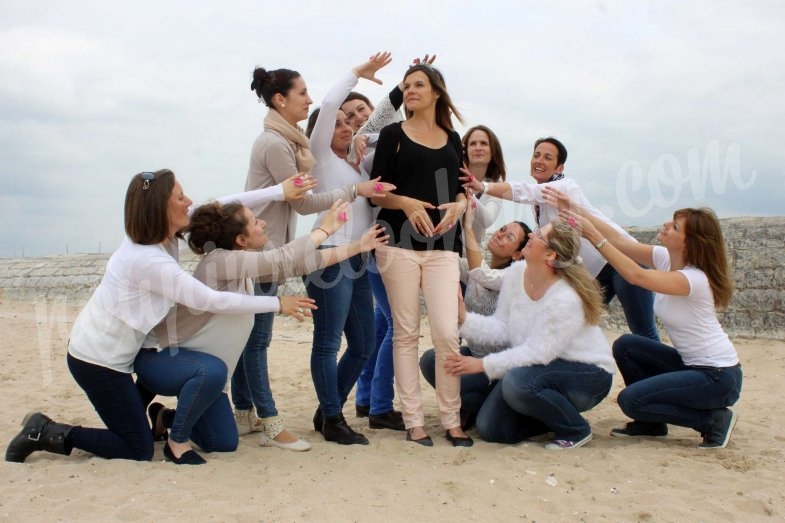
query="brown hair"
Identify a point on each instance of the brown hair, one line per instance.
(704, 248)
(215, 226)
(566, 243)
(444, 105)
(496, 169)
(147, 207)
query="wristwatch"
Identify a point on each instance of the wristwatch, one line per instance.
(484, 187)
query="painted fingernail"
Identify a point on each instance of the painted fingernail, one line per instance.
(298, 182)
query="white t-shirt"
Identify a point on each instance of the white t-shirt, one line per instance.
(691, 321)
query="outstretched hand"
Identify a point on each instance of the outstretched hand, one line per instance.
(368, 69)
(556, 198)
(372, 238)
(458, 365)
(337, 216)
(469, 180)
(374, 188)
(426, 60)
(577, 221)
(298, 307)
(295, 187)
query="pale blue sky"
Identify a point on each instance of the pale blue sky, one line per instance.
(93, 92)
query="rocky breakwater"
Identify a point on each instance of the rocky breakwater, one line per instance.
(756, 249)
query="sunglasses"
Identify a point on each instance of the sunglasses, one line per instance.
(147, 177)
(538, 232)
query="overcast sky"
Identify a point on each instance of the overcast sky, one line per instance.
(660, 106)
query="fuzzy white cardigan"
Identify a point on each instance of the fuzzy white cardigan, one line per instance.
(537, 332)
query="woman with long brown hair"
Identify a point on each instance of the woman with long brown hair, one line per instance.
(422, 158)
(692, 383)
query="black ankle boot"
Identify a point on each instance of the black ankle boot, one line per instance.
(38, 432)
(317, 420)
(336, 429)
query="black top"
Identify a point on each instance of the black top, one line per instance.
(430, 175)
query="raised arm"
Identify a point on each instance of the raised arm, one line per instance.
(665, 282)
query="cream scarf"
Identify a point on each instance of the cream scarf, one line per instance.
(293, 134)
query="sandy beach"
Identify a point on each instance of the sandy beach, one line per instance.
(610, 479)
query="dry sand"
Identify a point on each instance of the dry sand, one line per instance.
(610, 479)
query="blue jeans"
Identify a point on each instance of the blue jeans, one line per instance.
(662, 389)
(475, 388)
(375, 386)
(251, 381)
(197, 379)
(529, 401)
(113, 394)
(345, 304)
(636, 302)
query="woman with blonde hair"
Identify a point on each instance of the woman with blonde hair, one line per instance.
(557, 363)
(692, 383)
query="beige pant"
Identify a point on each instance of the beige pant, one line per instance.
(404, 273)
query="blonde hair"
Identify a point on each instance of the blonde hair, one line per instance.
(566, 243)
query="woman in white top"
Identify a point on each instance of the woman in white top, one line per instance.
(482, 154)
(693, 383)
(142, 282)
(342, 291)
(200, 348)
(557, 362)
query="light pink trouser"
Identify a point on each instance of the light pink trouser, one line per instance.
(404, 273)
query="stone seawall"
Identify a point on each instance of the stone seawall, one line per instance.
(756, 248)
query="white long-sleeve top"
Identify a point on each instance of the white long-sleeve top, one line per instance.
(485, 214)
(531, 193)
(140, 285)
(333, 172)
(537, 332)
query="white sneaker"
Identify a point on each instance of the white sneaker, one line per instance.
(565, 444)
(271, 427)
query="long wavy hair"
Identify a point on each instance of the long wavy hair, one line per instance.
(704, 248)
(444, 105)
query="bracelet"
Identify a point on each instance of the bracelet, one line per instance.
(601, 244)
(280, 305)
(485, 187)
(354, 191)
(324, 231)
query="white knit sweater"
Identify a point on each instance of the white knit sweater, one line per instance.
(537, 332)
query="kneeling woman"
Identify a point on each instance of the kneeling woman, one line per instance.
(230, 238)
(558, 363)
(692, 383)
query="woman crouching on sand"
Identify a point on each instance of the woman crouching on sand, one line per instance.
(202, 349)
(142, 282)
(693, 383)
(558, 363)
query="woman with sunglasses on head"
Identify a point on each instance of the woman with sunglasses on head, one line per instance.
(205, 346)
(556, 362)
(422, 158)
(279, 152)
(694, 382)
(342, 292)
(142, 282)
(483, 283)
